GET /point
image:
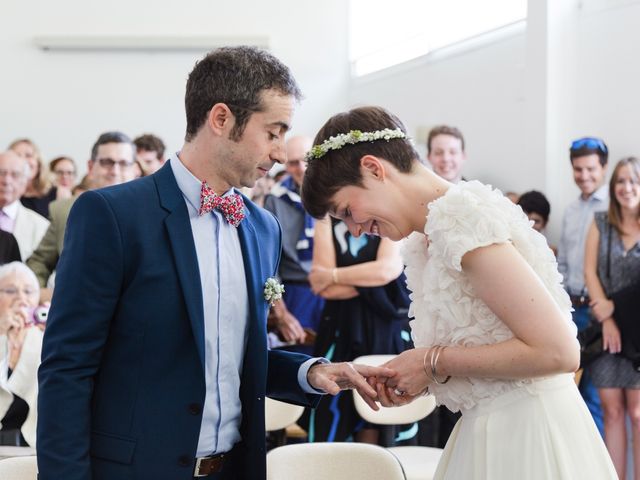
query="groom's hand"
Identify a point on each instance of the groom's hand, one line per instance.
(333, 377)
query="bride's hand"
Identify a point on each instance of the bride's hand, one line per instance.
(410, 379)
(388, 397)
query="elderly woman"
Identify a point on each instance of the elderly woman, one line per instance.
(20, 345)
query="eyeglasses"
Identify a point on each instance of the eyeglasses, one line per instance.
(110, 163)
(11, 173)
(65, 173)
(14, 292)
(589, 142)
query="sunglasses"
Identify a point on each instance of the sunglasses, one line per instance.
(591, 143)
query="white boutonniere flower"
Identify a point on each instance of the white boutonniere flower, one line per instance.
(273, 290)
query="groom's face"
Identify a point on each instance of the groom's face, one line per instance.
(262, 143)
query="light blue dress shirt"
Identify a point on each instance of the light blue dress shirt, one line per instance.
(577, 219)
(226, 317)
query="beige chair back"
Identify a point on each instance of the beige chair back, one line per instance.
(412, 412)
(19, 468)
(335, 461)
(279, 415)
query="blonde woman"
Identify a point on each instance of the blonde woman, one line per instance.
(40, 192)
(612, 264)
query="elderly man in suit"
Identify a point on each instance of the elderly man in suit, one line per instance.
(156, 343)
(27, 226)
(112, 157)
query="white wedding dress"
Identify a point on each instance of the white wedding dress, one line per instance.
(529, 429)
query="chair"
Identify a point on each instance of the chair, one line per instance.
(9, 451)
(280, 415)
(333, 461)
(419, 463)
(19, 468)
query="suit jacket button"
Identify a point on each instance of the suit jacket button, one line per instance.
(195, 409)
(184, 460)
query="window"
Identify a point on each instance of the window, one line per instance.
(384, 33)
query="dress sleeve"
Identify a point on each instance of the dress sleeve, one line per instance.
(470, 216)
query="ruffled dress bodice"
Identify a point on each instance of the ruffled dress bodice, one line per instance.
(445, 309)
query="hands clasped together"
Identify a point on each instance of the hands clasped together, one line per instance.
(397, 382)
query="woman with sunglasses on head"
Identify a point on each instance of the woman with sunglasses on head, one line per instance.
(21, 331)
(492, 324)
(611, 265)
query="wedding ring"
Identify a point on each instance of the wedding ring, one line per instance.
(399, 392)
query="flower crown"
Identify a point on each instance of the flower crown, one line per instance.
(354, 136)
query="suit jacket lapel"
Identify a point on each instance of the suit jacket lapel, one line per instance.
(184, 252)
(253, 270)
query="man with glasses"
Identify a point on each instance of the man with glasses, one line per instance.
(589, 157)
(112, 157)
(27, 226)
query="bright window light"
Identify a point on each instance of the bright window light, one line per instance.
(384, 33)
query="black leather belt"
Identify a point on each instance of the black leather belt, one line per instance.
(206, 466)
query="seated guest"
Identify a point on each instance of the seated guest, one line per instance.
(297, 314)
(445, 152)
(9, 250)
(39, 192)
(150, 153)
(537, 208)
(111, 163)
(27, 226)
(63, 170)
(20, 345)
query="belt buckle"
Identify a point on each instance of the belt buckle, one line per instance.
(196, 471)
(219, 458)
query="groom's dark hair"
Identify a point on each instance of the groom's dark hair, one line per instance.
(235, 76)
(341, 168)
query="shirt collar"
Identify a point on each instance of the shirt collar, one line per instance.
(11, 210)
(600, 195)
(188, 183)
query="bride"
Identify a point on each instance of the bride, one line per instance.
(492, 329)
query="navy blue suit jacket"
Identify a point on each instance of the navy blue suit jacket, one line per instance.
(122, 376)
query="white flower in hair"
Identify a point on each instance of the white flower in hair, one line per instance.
(354, 136)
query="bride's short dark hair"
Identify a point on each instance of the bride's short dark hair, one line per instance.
(341, 168)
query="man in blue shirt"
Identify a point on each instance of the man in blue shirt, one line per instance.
(589, 157)
(155, 362)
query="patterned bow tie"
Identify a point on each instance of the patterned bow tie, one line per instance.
(231, 206)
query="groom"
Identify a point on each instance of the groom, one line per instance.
(155, 361)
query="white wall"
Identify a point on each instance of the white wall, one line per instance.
(479, 90)
(64, 100)
(488, 93)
